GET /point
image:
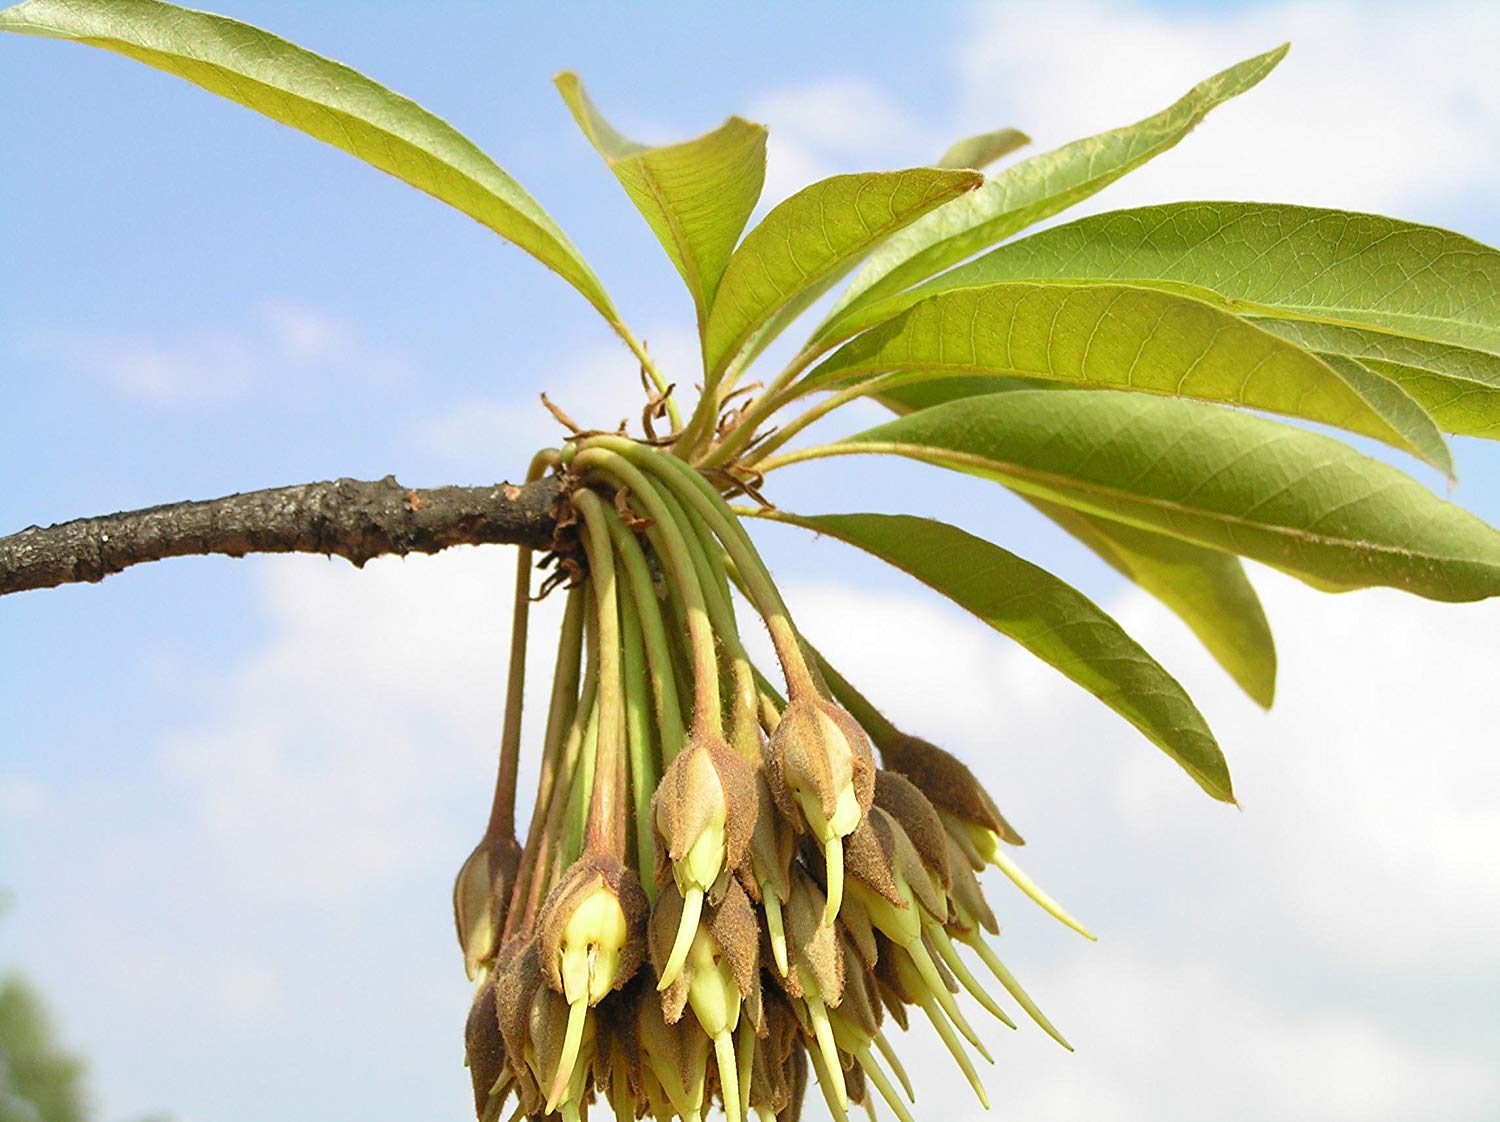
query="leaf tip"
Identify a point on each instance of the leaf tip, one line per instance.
(1261, 688)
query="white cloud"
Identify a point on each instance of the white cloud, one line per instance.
(326, 766)
(1180, 1041)
(230, 988)
(1380, 107)
(307, 335)
(22, 797)
(202, 368)
(213, 366)
(824, 128)
(597, 388)
(1377, 107)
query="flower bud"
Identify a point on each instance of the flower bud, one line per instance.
(481, 892)
(484, 1050)
(967, 907)
(518, 979)
(704, 811)
(618, 1063)
(561, 1048)
(817, 973)
(764, 871)
(590, 941)
(675, 1057)
(889, 853)
(860, 932)
(900, 798)
(822, 775)
(948, 784)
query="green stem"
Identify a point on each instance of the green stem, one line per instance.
(700, 425)
(549, 847)
(708, 554)
(823, 451)
(762, 407)
(583, 788)
(769, 701)
(606, 818)
(643, 764)
(502, 822)
(707, 717)
(503, 806)
(648, 364)
(823, 408)
(574, 749)
(647, 611)
(701, 497)
(559, 715)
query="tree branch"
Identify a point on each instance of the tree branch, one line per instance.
(347, 517)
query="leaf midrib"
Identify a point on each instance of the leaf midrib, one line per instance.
(969, 459)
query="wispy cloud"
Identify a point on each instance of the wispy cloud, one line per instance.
(1376, 107)
(213, 366)
(599, 386)
(823, 128)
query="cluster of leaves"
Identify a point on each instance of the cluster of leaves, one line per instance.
(1087, 367)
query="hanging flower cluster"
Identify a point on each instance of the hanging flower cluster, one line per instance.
(720, 893)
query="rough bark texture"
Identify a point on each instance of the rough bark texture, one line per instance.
(346, 518)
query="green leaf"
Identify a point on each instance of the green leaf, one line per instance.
(907, 397)
(1403, 411)
(789, 259)
(696, 196)
(1207, 589)
(1128, 338)
(1290, 262)
(1295, 500)
(1033, 190)
(325, 100)
(1458, 386)
(982, 150)
(1050, 618)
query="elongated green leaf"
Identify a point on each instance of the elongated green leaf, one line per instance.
(1207, 589)
(982, 150)
(323, 99)
(1295, 500)
(1290, 262)
(907, 397)
(1458, 386)
(1122, 337)
(787, 260)
(1050, 618)
(1033, 190)
(696, 196)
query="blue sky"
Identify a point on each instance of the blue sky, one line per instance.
(232, 794)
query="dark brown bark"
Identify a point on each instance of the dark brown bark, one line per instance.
(346, 518)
